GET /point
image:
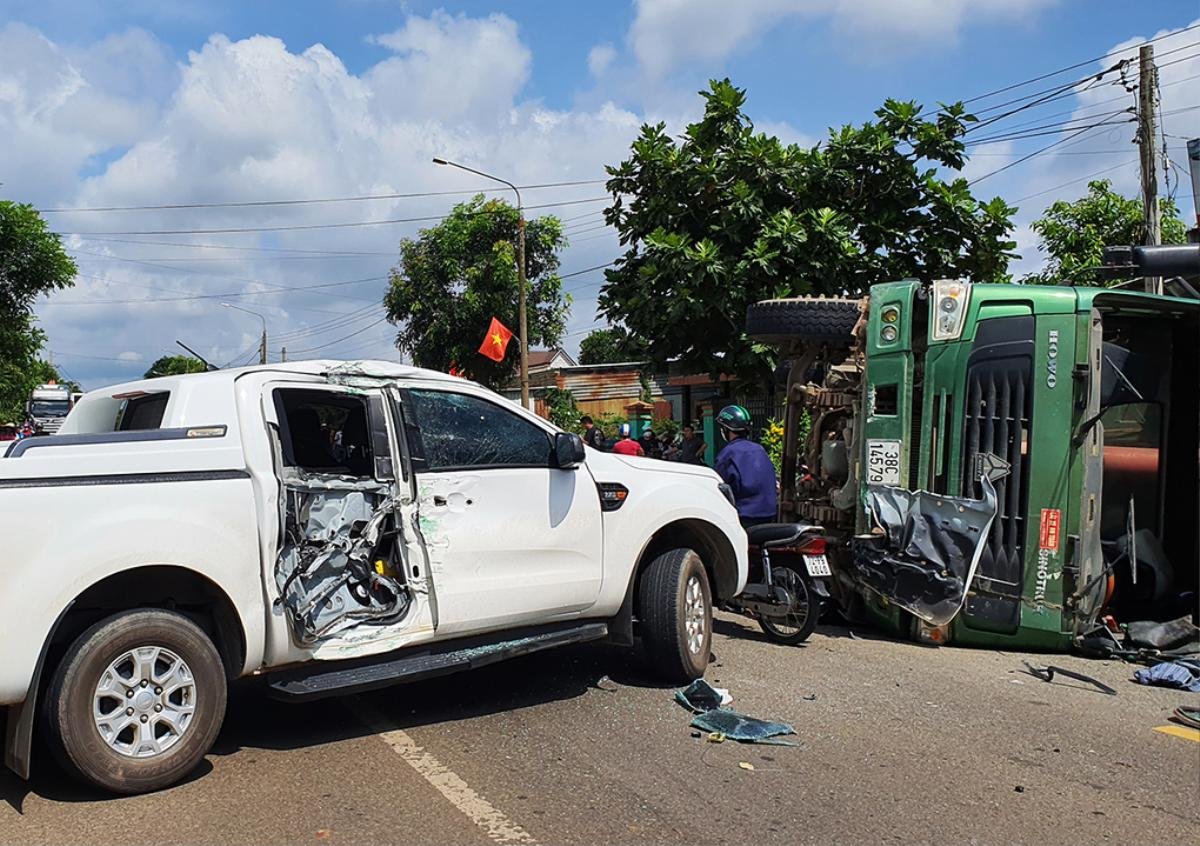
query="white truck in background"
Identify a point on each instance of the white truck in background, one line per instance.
(47, 407)
(330, 527)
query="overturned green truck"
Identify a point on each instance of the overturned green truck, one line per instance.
(995, 464)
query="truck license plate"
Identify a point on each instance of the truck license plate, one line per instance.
(883, 463)
(818, 565)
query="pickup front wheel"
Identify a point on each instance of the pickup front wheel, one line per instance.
(137, 701)
(675, 612)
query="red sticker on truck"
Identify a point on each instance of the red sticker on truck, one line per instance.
(1051, 527)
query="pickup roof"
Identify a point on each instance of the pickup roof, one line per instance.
(332, 526)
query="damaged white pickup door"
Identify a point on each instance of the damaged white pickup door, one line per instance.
(330, 527)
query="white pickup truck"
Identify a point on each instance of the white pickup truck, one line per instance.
(331, 527)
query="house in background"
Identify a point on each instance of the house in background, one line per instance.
(555, 359)
(603, 389)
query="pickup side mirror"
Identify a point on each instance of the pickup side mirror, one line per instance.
(568, 451)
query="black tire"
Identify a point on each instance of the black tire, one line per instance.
(673, 652)
(802, 619)
(75, 734)
(803, 319)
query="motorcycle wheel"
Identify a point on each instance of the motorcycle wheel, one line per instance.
(801, 618)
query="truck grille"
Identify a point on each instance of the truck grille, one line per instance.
(999, 401)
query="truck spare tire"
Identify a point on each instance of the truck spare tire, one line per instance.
(803, 319)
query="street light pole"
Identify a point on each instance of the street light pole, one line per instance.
(262, 347)
(523, 327)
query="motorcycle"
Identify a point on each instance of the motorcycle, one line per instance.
(787, 584)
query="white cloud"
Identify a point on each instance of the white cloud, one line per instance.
(130, 357)
(600, 57)
(451, 67)
(668, 33)
(251, 120)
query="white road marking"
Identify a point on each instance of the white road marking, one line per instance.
(477, 809)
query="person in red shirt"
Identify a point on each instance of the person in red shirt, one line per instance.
(627, 445)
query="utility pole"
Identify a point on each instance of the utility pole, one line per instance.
(1193, 148)
(523, 328)
(283, 353)
(1147, 83)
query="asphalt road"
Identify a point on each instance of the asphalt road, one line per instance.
(901, 743)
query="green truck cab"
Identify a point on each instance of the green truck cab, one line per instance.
(995, 464)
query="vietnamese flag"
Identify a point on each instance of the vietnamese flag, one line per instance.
(495, 343)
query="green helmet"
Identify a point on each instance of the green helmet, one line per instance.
(734, 418)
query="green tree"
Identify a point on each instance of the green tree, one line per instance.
(561, 409)
(174, 365)
(1073, 235)
(727, 216)
(607, 346)
(454, 277)
(32, 262)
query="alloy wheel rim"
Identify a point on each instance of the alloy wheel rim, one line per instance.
(695, 622)
(144, 702)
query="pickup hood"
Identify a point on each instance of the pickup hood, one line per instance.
(624, 463)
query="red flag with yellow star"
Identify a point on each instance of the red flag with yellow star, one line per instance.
(495, 343)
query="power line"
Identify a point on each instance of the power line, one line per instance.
(1053, 129)
(347, 337)
(1077, 179)
(308, 202)
(226, 295)
(243, 249)
(1077, 65)
(1026, 158)
(309, 226)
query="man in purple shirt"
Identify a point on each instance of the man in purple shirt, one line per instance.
(746, 468)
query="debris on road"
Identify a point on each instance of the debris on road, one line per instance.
(1187, 716)
(607, 685)
(1046, 674)
(701, 696)
(705, 702)
(741, 728)
(1182, 673)
(746, 765)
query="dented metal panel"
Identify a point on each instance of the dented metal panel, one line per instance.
(927, 550)
(341, 563)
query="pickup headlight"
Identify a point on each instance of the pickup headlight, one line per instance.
(726, 492)
(950, 298)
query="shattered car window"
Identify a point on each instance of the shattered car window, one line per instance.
(325, 431)
(456, 430)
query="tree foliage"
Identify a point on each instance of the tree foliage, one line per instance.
(174, 365)
(561, 409)
(727, 216)
(32, 262)
(454, 277)
(607, 346)
(1073, 235)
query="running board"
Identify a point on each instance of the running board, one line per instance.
(319, 680)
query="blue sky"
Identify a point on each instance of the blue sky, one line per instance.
(139, 102)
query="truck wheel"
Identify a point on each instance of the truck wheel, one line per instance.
(675, 612)
(137, 701)
(805, 319)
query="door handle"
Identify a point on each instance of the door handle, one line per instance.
(439, 501)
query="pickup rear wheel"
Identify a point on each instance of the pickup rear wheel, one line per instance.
(675, 612)
(137, 701)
